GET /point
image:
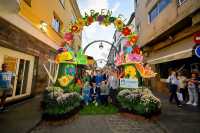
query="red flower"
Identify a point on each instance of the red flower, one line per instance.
(126, 31)
(90, 20)
(69, 36)
(136, 50)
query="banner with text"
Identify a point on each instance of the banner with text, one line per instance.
(128, 83)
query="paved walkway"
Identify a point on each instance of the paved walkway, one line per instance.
(23, 118)
(101, 124)
(179, 120)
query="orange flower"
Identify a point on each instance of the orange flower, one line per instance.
(126, 31)
(75, 28)
(80, 23)
(90, 20)
(133, 39)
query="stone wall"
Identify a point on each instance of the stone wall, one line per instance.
(13, 38)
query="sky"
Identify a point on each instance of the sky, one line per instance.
(98, 32)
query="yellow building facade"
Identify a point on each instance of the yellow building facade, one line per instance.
(54, 15)
(30, 33)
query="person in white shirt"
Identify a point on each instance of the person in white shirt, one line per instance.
(113, 83)
(173, 85)
(182, 85)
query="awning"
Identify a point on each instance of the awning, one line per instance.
(179, 50)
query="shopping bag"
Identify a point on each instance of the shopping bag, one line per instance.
(180, 96)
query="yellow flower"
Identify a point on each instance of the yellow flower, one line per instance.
(65, 56)
(130, 71)
(65, 80)
(80, 22)
(106, 21)
(118, 24)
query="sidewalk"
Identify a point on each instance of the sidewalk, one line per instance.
(21, 117)
(179, 120)
(24, 117)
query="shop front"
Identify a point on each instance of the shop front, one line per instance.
(22, 66)
(178, 56)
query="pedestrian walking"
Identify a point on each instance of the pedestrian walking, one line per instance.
(173, 85)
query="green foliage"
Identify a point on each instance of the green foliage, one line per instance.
(139, 101)
(91, 109)
(73, 88)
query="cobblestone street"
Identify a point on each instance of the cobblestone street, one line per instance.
(102, 124)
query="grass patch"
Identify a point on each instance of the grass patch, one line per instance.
(91, 109)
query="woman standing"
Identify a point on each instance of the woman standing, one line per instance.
(173, 85)
(182, 85)
(193, 91)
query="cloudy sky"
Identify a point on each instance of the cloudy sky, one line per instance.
(97, 32)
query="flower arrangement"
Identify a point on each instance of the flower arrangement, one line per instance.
(57, 104)
(139, 101)
(146, 72)
(133, 57)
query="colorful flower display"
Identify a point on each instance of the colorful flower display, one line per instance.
(65, 80)
(145, 72)
(63, 56)
(130, 71)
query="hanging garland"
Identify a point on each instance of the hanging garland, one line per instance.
(104, 18)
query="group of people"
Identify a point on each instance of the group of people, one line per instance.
(187, 88)
(100, 87)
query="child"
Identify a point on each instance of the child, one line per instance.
(94, 94)
(86, 93)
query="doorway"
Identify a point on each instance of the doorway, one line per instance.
(22, 66)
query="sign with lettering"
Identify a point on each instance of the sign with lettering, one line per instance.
(128, 83)
(197, 38)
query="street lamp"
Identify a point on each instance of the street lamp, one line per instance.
(43, 26)
(101, 46)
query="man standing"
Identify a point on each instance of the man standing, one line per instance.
(5, 85)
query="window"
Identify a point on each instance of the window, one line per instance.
(62, 2)
(162, 4)
(136, 3)
(56, 24)
(180, 2)
(157, 9)
(153, 14)
(28, 2)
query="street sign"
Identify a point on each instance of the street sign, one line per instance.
(197, 38)
(197, 51)
(128, 83)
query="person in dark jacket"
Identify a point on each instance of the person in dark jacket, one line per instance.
(95, 93)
